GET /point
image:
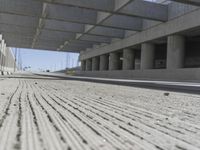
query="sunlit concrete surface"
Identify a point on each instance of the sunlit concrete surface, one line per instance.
(55, 114)
(188, 86)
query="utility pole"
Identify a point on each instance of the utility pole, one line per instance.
(15, 62)
(1, 54)
(67, 60)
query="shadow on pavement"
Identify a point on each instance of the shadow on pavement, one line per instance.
(154, 86)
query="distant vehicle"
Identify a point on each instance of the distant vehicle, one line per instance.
(47, 70)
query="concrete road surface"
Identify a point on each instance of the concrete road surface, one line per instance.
(49, 113)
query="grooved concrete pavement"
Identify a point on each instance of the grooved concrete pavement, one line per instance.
(55, 114)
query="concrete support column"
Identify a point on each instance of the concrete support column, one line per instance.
(88, 64)
(95, 63)
(128, 59)
(83, 65)
(1, 52)
(104, 62)
(175, 51)
(114, 61)
(147, 56)
(3, 55)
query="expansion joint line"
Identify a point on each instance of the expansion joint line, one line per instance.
(40, 24)
(108, 15)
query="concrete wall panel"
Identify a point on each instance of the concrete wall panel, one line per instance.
(156, 74)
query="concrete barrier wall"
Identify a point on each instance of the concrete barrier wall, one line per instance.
(157, 74)
(7, 59)
(10, 60)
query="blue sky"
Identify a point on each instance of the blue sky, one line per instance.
(40, 60)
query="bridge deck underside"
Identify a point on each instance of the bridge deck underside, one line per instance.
(66, 25)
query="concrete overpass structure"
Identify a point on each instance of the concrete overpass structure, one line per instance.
(7, 60)
(157, 39)
(115, 38)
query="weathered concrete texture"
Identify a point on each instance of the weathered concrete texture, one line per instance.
(174, 26)
(162, 74)
(147, 56)
(114, 61)
(175, 52)
(95, 63)
(104, 62)
(88, 64)
(83, 65)
(47, 113)
(7, 60)
(128, 59)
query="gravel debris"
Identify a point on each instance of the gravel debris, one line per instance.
(69, 114)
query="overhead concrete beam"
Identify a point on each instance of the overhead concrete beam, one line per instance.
(57, 34)
(124, 22)
(16, 37)
(102, 5)
(64, 26)
(17, 40)
(102, 16)
(110, 32)
(192, 2)
(21, 28)
(18, 20)
(23, 7)
(73, 14)
(147, 10)
(17, 43)
(6, 28)
(78, 18)
(177, 25)
(95, 38)
(91, 17)
(51, 36)
(108, 19)
(102, 31)
(85, 42)
(112, 6)
(99, 31)
(119, 21)
(47, 48)
(14, 40)
(75, 47)
(78, 44)
(40, 24)
(45, 44)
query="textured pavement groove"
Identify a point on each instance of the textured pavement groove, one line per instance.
(47, 114)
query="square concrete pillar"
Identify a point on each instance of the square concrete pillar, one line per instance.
(3, 55)
(88, 64)
(128, 59)
(147, 56)
(104, 62)
(114, 61)
(175, 51)
(83, 65)
(95, 63)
